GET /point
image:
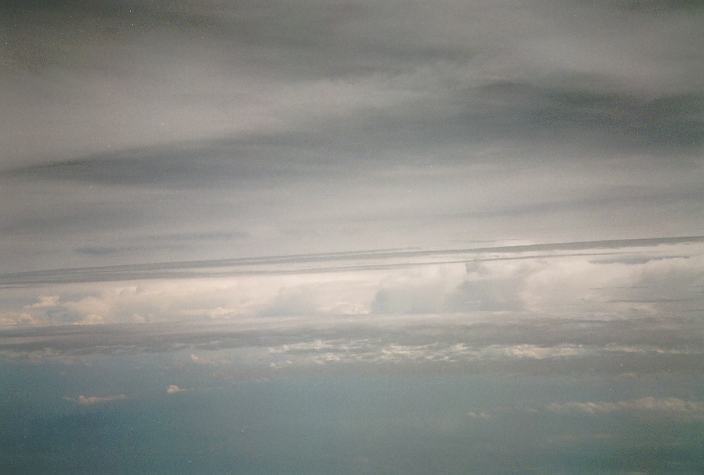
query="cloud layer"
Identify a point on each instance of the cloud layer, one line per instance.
(618, 278)
(341, 126)
(351, 235)
(667, 406)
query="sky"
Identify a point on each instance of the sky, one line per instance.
(351, 236)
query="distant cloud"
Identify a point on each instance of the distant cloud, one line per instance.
(83, 400)
(485, 341)
(399, 282)
(199, 359)
(173, 389)
(694, 409)
(478, 415)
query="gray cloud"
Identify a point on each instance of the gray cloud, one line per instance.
(213, 193)
(258, 265)
(155, 141)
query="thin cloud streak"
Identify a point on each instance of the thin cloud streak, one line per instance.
(175, 270)
(83, 400)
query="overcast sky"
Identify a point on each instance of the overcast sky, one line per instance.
(143, 131)
(152, 133)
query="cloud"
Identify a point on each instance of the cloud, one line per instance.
(329, 127)
(486, 295)
(200, 360)
(418, 291)
(311, 263)
(522, 307)
(514, 278)
(290, 302)
(515, 343)
(478, 415)
(260, 187)
(665, 406)
(83, 400)
(174, 389)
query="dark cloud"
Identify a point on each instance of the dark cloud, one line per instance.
(602, 125)
(213, 163)
(619, 121)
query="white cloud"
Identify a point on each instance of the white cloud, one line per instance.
(173, 389)
(535, 352)
(370, 351)
(421, 290)
(694, 409)
(83, 400)
(12, 319)
(565, 285)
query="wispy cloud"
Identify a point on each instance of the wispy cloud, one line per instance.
(666, 406)
(315, 263)
(83, 400)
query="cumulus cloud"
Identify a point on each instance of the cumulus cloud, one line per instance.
(494, 279)
(417, 291)
(14, 319)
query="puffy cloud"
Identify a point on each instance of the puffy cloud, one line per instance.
(290, 302)
(664, 277)
(420, 290)
(13, 319)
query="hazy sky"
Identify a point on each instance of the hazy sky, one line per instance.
(142, 131)
(147, 132)
(323, 199)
